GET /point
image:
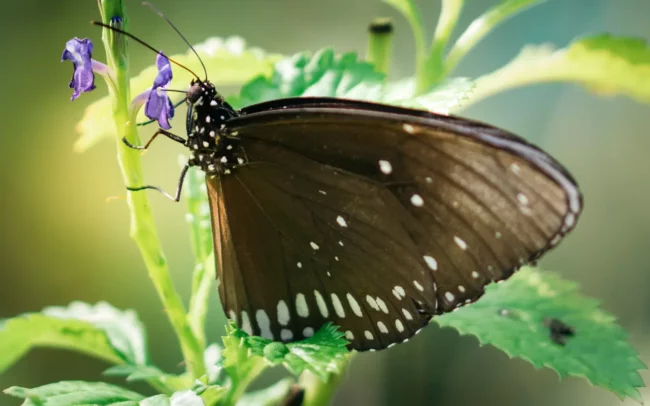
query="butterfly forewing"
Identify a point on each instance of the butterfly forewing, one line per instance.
(376, 218)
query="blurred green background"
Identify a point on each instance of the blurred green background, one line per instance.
(60, 241)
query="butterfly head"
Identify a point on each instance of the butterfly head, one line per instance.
(202, 91)
(214, 150)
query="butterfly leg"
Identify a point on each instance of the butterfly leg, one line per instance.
(166, 133)
(179, 188)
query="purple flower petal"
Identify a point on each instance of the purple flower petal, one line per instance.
(159, 106)
(79, 51)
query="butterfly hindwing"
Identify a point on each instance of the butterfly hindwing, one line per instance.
(376, 218)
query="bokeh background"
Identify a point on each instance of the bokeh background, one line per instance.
(60, 241)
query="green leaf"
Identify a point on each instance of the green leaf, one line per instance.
(20, 334)
(443, 98)
(320, 354)
(240, 363)
(135, 373)
(511, 316)
(68, 393)
(228, 61)
(123, 329)
(322, 74)
(604, 64)
(480, 27)
(274, 395)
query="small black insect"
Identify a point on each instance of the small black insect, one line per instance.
(373, 217)
(559, 331)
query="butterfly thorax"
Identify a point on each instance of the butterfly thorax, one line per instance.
(213, 148)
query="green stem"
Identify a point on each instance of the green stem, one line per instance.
(319, 393)
(238, 386)
(435, 69)
(482, 26)
(380, 44)
(143, 229)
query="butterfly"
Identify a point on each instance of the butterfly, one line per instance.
(372, 217)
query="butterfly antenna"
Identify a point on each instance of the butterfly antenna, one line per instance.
(164, 17)
(141, 42)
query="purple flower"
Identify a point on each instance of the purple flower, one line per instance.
(79, 51)
(159, 106)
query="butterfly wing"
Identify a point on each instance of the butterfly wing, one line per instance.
(376, 218)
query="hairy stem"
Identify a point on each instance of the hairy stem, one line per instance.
(319, 393)
(143, 229)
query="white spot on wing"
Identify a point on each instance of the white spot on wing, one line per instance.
(461, 288)
(385, 167)
(368, 335)
(322, 306)
(417, 201)
(354, 305)
(286, 334)
(246, 323)
(299, 264)
(399, 326)
(431, 262)
(407, 314)
(308, 332)
(418, 286)
(264, 324)
(283, 313)
(382, 327)
(450, 296)
(523, 199)
(462, 244)
(341, 221)
(314, 246)
(372, 302)
(515, 168)
(409, 128)
(338, 307)
(349, 335)
(301, 305)
(382, 305)
(475, 275)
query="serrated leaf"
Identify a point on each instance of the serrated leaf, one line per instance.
(20, 334)
(123, 329)
(604, 64)
(512, 317)
(320, 353)
(229, 63)
(322, 74)
(443, 98)
(273, 395)
(68, 393)
(239, 361)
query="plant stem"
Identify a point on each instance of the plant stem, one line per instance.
(435, 70)
(480, 27)
(143, 229)
(380, 44)
(319, 393)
